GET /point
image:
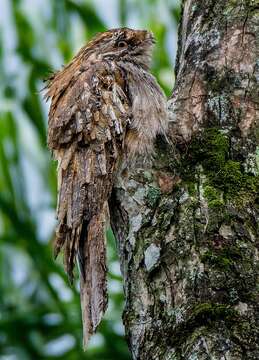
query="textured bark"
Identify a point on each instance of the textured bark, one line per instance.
(187, 226)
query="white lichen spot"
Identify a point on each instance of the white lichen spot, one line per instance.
(135, 225)
(171, 354)
(251, 164)
(178, 314)
(219, 106)
(152, 255)
(132, 184)
(196, 273)
(193, 357)
(140, 195)
(233, 295)
(241, 308)
(184, 197)
(162, 298)
(225, 231)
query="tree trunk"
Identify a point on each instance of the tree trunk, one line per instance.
(187, 225)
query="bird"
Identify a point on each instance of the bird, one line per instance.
(106, 109)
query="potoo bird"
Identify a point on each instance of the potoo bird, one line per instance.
(106, 108)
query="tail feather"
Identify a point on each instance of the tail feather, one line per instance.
(70, 251)
(82, 212)
(87, 244)
(93, 285)
(59, 239)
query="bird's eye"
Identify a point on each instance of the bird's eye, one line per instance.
(122, 44)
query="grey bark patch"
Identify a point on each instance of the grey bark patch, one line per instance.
(152, 255)
(225, 231)
(183, 198)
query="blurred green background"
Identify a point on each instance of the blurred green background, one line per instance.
(39, 312)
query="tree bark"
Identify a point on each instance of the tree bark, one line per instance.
(187, 224)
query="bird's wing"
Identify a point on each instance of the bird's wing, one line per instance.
(86, 130)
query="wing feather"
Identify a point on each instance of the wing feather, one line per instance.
(87, 125)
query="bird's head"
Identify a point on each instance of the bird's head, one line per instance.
(124, 44)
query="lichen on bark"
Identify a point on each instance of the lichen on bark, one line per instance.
(187, 223)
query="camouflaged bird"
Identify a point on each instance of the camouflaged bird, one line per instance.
(106, 108)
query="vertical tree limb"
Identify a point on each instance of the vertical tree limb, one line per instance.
(187, 226)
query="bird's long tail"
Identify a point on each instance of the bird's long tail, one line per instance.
(93, 284)
(87, 243)
(82, 214)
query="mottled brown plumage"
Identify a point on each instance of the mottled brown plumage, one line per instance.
(105, 108)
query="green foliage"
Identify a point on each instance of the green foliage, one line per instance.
(39, 311)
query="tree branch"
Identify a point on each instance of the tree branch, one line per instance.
(186, 223)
